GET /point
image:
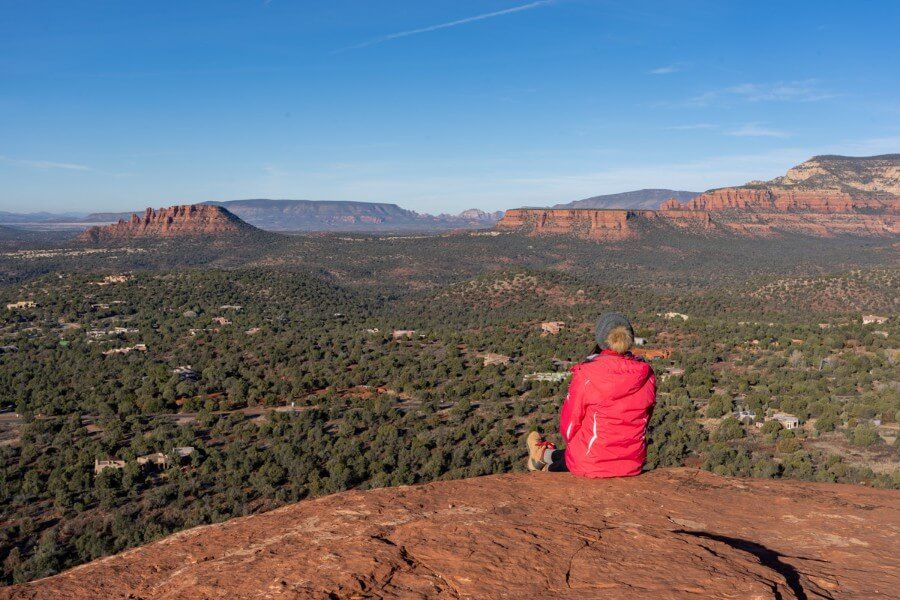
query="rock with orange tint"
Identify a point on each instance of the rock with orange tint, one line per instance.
(670, 204)
(607, 224)
(823, 184)
(825, 196)
(597, 223)
(788, 200)
(175, 221)
(670, 533)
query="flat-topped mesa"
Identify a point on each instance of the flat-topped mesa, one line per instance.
(174, 221)
(590, 223)
(598, 224)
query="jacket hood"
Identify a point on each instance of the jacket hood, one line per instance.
(616, 375)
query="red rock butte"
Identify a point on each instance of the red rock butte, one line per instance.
(174, 221)
(669, 533)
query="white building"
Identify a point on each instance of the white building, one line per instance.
(186, 372)
(101, 465)
(183, 451)
(869, 319)
(744, 414)
(136, 347)
(674, 315)
(157, 458)
(21, 304)
(787, 421)
(546, 376)
(552, 327)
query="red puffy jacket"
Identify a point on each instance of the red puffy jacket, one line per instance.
(604, 418)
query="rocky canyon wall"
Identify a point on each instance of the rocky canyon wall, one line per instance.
(787, 201)
(617, 225)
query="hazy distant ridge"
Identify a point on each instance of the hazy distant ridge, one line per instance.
(648, 199)
(298, 215)
(346, 215)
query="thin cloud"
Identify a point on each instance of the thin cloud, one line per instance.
(691, 127)
(757, 130)
(274, 171)
(449, 24)
(44, 164)
(807, 90)
(665, 70)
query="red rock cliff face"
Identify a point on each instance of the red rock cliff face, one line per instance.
(612, 225)
(599, 224)
(184, 220)
(786, 200)
(670, 533)
(824, 213)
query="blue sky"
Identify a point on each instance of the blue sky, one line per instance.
(437, 105)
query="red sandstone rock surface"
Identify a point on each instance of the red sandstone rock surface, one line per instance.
(599, 224)
(183, 220)
(671, 533)
(823, 184)
(670, 204)
(787, 200)
(605, 224)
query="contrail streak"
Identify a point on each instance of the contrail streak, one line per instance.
(491, 15)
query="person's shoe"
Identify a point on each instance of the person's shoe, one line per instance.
(536, 449)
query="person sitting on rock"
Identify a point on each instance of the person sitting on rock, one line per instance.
(604, 417)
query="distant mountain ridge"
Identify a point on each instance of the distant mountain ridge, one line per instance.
(348, 215)
(9, 218)
(648, 199)
(106, 217)
(293, 215)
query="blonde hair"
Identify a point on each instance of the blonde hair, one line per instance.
(620, 340)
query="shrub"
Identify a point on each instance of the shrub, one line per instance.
(864, 435)
(729, 429)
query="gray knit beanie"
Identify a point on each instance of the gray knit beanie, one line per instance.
(606, 323)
